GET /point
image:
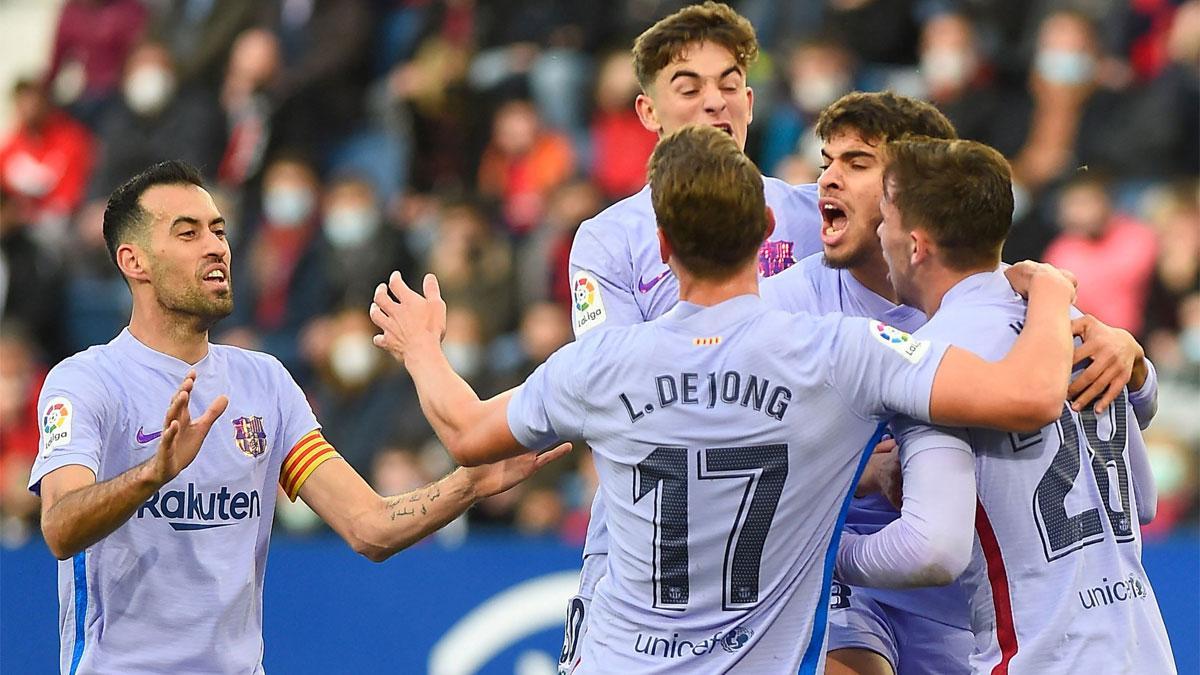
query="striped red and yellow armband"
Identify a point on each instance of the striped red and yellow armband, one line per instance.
(304, 458)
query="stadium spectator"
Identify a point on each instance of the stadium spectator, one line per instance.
(817, 73)
(45, 161)
(91, 43)
(31, 280)
(200, 35)
(359, 246)
(21, 376)
(476, 268)
(620, 144)
(522, 164)
(1111, 254)
(157, 118)
(282, 285)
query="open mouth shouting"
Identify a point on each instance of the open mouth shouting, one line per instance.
(724, 126)
(833, 221)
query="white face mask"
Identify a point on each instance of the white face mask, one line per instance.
(353, 358)
(148, 89)
(465, 358)
(946, 67)
(1066, 67)
(813, 94)
(350, 226)
(288, 206)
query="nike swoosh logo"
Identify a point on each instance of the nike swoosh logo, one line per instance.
(146, 438)
(647, 286)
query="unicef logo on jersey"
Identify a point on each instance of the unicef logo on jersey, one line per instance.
(675, 647)
(736, 638)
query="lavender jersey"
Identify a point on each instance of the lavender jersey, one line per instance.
(1056, 578)
(726, 441)
(811, 286)
(177, 587)
(618, 277)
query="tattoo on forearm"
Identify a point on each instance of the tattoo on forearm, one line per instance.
(424, 497)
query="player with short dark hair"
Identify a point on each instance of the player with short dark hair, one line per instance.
(727, 436)
(1045, 524)
(161, 523)
(916, 630)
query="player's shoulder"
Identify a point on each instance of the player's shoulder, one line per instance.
(982, 314)
(625, 216)
(87, 368)
(246, 362)
(799, 287)
(781, 193)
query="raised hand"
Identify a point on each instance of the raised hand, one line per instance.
(1116, 359)
(406, 316)
(492, 479)
(1020, 276)
(182, 437)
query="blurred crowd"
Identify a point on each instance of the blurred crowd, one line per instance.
(347, 138)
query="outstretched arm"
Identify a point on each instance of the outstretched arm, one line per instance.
(78, 512)
(1025, 390)
(473, 431)
(378, 527)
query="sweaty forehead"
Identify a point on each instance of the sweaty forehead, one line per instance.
(165, 203)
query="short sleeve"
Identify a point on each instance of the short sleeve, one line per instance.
(550, 405)
(880, 370)
(72, 408)
(602, 291)
(296, 415)
(789, 291)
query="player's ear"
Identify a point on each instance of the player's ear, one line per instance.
(749, 105)
(131, 260)
(770, 224)
(664, 247)
(644, 105)
(921, 246)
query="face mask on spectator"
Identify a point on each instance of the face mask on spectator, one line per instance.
(288, 206)
(1065, 67)
(946, 67)
(148, 89)
(350, 226)
(464, 358)
(815, 93)
(353, 358)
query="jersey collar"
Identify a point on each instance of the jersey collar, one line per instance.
(990, 284)
(144, 355)
(710, 318)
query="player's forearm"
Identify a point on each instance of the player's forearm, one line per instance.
(930, 543)
(1143, 392)
(447, 400)
(86, 515)
(403, 520)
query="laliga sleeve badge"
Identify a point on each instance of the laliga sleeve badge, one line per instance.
(900, 342)
(587, 307)
(56, 424)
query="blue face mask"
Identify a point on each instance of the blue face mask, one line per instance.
(1060, 66)
(288, 206)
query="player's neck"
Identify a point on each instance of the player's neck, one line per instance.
(874, 276)
(935, 286)
(709, 292)
(168, 334)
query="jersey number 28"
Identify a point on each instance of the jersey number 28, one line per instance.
(1061, 533)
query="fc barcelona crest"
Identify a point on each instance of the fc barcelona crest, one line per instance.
(250, 436)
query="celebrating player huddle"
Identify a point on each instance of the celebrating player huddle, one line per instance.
(740, 523)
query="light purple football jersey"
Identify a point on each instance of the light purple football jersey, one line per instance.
(618, 277)
(177, 587)
(1056, 579)
(726, 440)
(811, 286)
